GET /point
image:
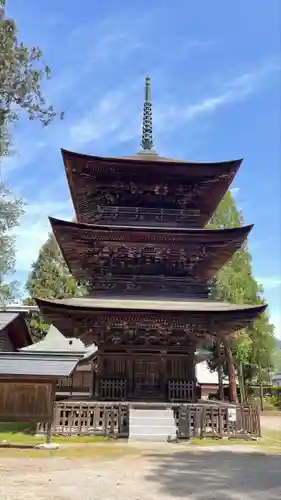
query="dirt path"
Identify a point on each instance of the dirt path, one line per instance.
(271, 422)
(163, 473)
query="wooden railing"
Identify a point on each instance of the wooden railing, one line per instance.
(198, 420)
(181, 391)
(218, 421)
(113, 390)
(147, 216)
(87, 418)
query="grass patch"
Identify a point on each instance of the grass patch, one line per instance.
(84, 452)
(99, 447)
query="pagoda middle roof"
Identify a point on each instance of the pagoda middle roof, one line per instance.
(136, 231)
(105, 303)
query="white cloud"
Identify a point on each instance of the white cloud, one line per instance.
(270, 282)
(275, 319)
(115, 117)
(232, 91)
(34, 228)
(102, 120)
(234, 192)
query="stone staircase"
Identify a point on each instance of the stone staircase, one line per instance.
(150, 424)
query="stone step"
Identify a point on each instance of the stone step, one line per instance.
(146, 422)
(152, 425)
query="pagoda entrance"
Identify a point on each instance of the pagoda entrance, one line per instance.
(147, 379)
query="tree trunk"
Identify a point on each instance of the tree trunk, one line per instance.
(220, 371)
(231, 372)
(241, 385)
(261, 388)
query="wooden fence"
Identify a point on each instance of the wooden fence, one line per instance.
(88, 418)
(181, 390)
(218, 421)
(192, 420)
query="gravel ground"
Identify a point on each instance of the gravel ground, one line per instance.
(166, 472)
(271, 422)
(159, 472)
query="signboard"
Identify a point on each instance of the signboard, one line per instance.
(231, 414)
(26, 401)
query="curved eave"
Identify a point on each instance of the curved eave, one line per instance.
(161, 166)
(202, 234)
(140, 159)
(224, 242)
(80, 316)
(94, 305)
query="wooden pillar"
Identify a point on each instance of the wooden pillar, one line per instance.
(163, 375)
(97, 377)
(220, 370)
(93, 379)
(130, 376)
(231, 371)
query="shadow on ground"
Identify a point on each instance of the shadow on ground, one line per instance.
(217, 475)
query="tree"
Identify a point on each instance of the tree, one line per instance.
(49, 278)
(253, 347)
(21, 74)
(10, 212)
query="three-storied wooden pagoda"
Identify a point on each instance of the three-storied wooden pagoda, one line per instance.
(141, 246)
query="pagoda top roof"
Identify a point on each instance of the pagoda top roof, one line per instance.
(105, 303)
(147, 158)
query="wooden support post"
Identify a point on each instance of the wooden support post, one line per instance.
(220, 370)
(231, 372)
(49, 433)
(93, 379)
(242, 385)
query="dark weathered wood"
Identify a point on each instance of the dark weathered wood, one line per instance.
(231, 372)
(146, 261)
(220, 369)
(26, 401)
(192, 420)
(133, 239)
(110, 190)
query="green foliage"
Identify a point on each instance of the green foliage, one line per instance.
(253, 347)
(277, 360)
(49, 278)
(21, 74)
(10, 212)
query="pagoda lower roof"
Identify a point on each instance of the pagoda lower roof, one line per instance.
(130, 304)
(140, 322)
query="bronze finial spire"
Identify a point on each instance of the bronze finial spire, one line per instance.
(147, 140)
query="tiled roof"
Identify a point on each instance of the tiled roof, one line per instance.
(35, 364)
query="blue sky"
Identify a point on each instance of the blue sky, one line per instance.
(215, 69)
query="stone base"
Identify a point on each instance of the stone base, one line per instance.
(47, 446)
